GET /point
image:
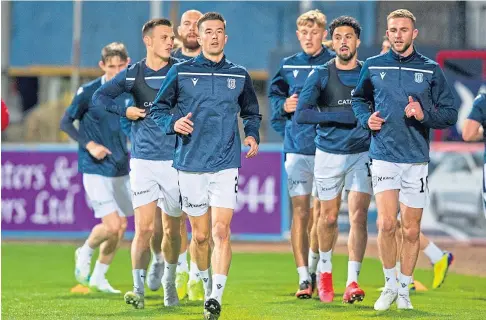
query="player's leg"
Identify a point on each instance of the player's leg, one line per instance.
(195, 202)
(113, 225)
(182, 272)
(171, 220)
(413, 196)
(313, 258)
(156, 268)
(386, 185)
(146, 192)
(222, 200)
(358, 183)
(329, 174)
(300, 180)
(441, 260)
(100, 194)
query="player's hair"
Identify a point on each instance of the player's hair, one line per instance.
(312, 16)
(114, 49)
(402, 13)
(151, 24)
(210, 16)
(345, 21)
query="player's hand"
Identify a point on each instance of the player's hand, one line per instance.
(134, 113)
(98, 151)
(375, 122)
(414, 109)
(251, 142)
(291, 103)
(184, 125)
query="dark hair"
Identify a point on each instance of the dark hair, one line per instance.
(114, 49)
(345, 21)
(210, 16)
(151, 24)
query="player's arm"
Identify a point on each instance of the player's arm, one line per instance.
(472, 130)
(105, 96)
(166, 99)
(307, 111)
(250, 113)
(445, 113)
(75, 111)
(126, 124)
(278, 92)
(363, 97)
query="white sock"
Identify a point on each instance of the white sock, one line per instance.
(219, 282)
(182, 263)
(390, 278)
(139, 280)
(325, 258)
(433, 252)
(312, 261)
(100, 270)
(204, 275)
(404, 282)
(397, 267)
(303, 274)
(86, 249)
(157, 257)
(169, 273)
(354, 268)
(194, 272)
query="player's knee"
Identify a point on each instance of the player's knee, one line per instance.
(387, 225)
(146, 229)
(411, 233)
(112, 227)
(200, 237)
(359, 218)
(221, 231)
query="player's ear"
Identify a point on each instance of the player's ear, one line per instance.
(225, 38)
(324, 35)
(358, 42)
(101, 65)
(414, 34)
(128, 61)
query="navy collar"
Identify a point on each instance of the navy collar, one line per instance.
(398, 57)
(320, 54)
(208, 63)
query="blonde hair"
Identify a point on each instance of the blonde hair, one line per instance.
(402, 13)
(313, 16)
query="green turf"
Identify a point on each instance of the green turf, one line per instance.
(36, 280)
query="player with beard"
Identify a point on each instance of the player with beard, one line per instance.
(341, 155)
(188, 33)
(410, 96)
(188, 282)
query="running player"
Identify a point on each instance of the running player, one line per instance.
(299, 146)
(152, 152)
(341, 156)
(209, 92)
(103, 161)
(410, 96)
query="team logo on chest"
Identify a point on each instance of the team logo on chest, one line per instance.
(295, 72)
(419, 77)
(231, 83)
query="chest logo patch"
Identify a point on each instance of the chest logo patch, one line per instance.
(231, 83)
(295, 72)
(194, 81)
(382, 75)
(419, 77)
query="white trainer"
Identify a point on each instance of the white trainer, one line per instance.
(102, 285)
(170, 295)
(403, 301)
(387, 297)
(154, 275)
(82, 267)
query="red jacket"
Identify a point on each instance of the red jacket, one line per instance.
(5, 116)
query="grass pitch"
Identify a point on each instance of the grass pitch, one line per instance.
(37, 278)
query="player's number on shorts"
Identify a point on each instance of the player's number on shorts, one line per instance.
(422, 190)
(236, 184)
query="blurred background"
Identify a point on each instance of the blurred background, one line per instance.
(50, 48)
